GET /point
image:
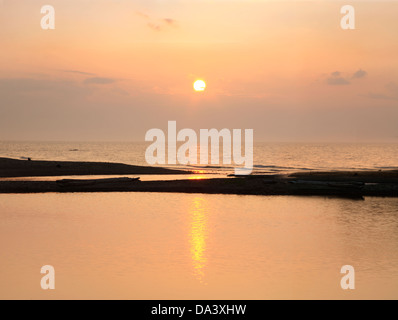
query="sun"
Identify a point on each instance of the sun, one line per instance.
(199, 85)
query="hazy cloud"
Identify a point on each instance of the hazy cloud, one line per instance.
(359, 74)
(99, 80)
(391, 94)
(336, 79)
(379, 96)
(80, 72)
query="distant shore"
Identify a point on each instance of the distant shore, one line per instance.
(12, 168)
(350, 184)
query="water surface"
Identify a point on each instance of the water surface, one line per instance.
(268, 157)
(192, 246)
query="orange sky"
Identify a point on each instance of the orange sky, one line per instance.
(111, 70)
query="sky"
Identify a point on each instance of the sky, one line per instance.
(112, 70)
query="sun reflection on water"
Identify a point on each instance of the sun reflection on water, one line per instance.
(197, 177)
(198, 236)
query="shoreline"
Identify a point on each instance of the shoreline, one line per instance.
(13, 168)
(347, 184)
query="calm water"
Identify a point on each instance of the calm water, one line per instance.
(187, 246)
(268, 157)
(191, 246)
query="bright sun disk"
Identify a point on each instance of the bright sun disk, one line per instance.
(199, 85)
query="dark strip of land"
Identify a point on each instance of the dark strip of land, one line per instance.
(350, 184)
(240, 186)
(11, 168)
(369, 176)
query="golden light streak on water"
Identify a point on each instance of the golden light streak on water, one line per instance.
(198, 236)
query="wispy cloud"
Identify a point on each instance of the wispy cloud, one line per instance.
(80, 72)
(157, 24)
(153, 26)
(142, 15)
(93, 79)
(99, 80)
(170, 22)
(337, 78)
